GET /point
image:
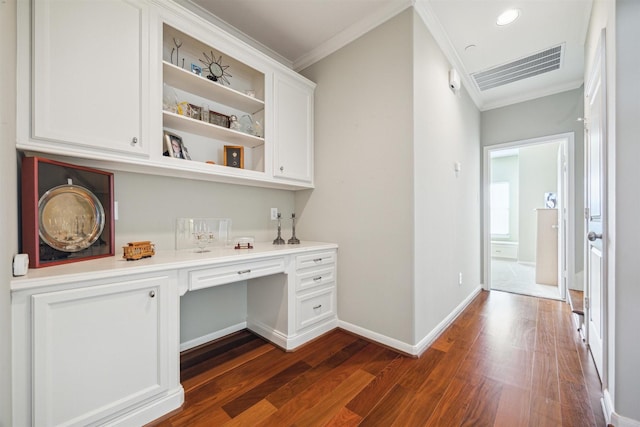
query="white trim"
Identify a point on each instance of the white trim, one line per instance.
(535, 94)
(212, 336)
(350, 34)
(567, 138)
(610, 415)
(424, 343)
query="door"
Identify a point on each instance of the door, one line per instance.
(563, 184)
(595, 212)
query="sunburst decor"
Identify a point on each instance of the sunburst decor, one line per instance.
(217, 71)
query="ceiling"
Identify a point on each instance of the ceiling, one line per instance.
(301, 32)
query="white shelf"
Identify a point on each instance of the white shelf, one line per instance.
(201, 86)
(198, 127)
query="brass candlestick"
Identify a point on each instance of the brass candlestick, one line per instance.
(293, 240)
(279, 240)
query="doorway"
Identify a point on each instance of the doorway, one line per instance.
(529, 216)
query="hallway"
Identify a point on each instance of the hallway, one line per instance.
(507, 360)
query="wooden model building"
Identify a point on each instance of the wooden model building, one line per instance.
(138, 250)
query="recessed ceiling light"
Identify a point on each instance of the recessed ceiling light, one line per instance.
(508, 16)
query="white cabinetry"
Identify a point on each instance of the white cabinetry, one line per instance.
(293, 130)
(90, 59)
(100, 350)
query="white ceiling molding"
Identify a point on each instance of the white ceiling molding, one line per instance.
(424, 10)
(210, 17)
(350, 34)
(551, 90)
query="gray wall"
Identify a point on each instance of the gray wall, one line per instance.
(386, 191)
(550, 115)
(148, 208)
(8, 195)
(363, 198)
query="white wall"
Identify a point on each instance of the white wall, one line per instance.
(550, 115)
(8, 195)
(447, 205)
(538, 175)
(148, 208)
(627, 201)
(363, 198)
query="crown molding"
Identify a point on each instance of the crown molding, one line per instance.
(350, 34)
(224, 26)
(531, 95)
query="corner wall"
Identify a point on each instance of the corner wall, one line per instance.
(363, 198)
(9, 197)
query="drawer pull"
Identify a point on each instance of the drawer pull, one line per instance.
(317, 306)
(317, 260)
(152, 294)
(244, 271)
(317, 279)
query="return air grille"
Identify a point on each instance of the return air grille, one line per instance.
(533, 65)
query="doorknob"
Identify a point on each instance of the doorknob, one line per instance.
(592, 236)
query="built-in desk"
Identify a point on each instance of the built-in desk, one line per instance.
(97, 342)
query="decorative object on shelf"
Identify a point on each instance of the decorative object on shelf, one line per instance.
(234, 123)
(204, 113)
(250, 126)
(244, 243)
(67, 212)
(250, 92)
(169, 99)
(203, 236)
(279, 240)
(293, 240)
(217, 71)
(183, 109)
(550, 200)
(195, 112)
(178, 44)
(234, 156)
(196, 69)
(71, 218)
(210, 162)
(219, 119)
(174, 147)
(138, 250)
(194, 233)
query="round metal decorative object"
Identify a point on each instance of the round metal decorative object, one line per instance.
(71, 218)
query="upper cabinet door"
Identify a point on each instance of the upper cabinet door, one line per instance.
(90, 74)
(293, 129)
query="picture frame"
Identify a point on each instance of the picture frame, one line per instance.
(174, 147)
(234, 156)
(195, 112)
(196, 69)
(83, 191)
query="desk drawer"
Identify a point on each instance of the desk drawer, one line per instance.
(216, 276)
(315, 259)
(315, 277)
(314, 307)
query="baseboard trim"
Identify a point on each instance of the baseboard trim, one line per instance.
(611, 417)
(424, 343)
(212, 336)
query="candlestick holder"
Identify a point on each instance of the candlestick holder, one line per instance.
(279, 240)
(293, 240)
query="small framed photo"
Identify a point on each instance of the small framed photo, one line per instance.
(195, 69)
(174, 147)
(195, 112)
(234, 156)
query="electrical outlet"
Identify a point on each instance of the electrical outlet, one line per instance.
(460, 279)
(274, 213)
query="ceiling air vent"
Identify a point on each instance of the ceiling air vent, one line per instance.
(532, 65)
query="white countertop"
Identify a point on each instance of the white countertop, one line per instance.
(163, 260)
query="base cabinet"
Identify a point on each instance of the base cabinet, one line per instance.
(99, 352)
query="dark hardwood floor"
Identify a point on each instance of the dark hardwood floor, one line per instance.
(508, 360)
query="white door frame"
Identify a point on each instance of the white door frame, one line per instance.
(568, 141)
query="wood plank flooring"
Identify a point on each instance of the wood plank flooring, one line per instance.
(507, 360)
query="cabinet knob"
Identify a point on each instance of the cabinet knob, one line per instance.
(281, 168)
(152, 294)
(134, 141)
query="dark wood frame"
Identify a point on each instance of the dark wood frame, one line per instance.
(38, 175)
(229, 150)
